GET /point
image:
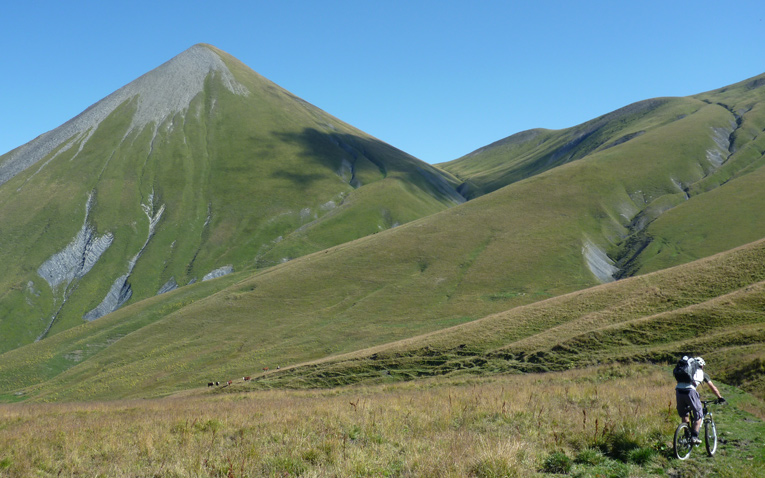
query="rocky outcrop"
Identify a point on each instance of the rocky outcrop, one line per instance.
(598, 262)
(73, 262)
(78, 257)
(220, 272)
(168, 286)
(718, 154)
(120, 292)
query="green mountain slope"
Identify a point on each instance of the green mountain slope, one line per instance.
(531, 152)
(197, 168)
(564, 229)
(727, 206)
(674, 219)
(713, 306)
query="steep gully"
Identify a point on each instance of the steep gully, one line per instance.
(121, 291)
(625, 264)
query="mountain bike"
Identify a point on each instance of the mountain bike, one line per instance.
(683, 443)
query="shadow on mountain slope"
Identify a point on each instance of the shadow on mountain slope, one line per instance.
(361, 160)
(300, 180)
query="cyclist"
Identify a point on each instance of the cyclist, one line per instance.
(688, 398)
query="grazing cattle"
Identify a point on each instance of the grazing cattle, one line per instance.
(210, 384)
(246, 379)
(217, 384)
(228, 383)
(265, 369)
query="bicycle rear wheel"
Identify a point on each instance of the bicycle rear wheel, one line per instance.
(682, 442)
(710, 435)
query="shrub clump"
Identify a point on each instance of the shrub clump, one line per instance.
(557, 462)
(589, 456)
(620, 445)
(641, 456)
(492, 467)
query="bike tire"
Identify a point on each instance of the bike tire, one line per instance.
(682, 444)
(710, 436)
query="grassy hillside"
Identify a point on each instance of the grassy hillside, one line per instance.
(604, 421)
(182, 339)
(711, 203)
(245, 176)
(727, 206)
(531, 152)
(713, 307)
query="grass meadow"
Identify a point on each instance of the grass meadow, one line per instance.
(608, 421)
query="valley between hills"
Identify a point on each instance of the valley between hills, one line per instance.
(202, 224)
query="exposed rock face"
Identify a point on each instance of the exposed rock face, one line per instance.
(162, 92)
(598, 262)
(115, 298)
(220, 272)
(78, 257)
(718, 155)
(170, 285)
(121, 291)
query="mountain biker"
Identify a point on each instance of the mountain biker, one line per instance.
(688, 398)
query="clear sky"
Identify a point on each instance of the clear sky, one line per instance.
(437, 79)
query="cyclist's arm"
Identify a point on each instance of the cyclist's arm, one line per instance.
(714, 389)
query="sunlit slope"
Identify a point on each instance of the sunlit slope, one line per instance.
(716, 201)
(728, 206)
(161, 184)
(540, 237)
(531, 152)
(714, 307)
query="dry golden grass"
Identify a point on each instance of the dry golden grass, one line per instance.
(499, 426)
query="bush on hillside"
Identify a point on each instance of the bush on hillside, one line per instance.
(492, 467)
(557, 462)
(589, 456)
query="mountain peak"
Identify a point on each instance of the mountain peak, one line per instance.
(169, 88)
(160, 93)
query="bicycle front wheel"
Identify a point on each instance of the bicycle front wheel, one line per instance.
(682, 443)
(710, 435)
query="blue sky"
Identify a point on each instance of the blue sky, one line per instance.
(437, 79)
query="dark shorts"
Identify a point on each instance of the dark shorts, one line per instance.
(688, 399)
